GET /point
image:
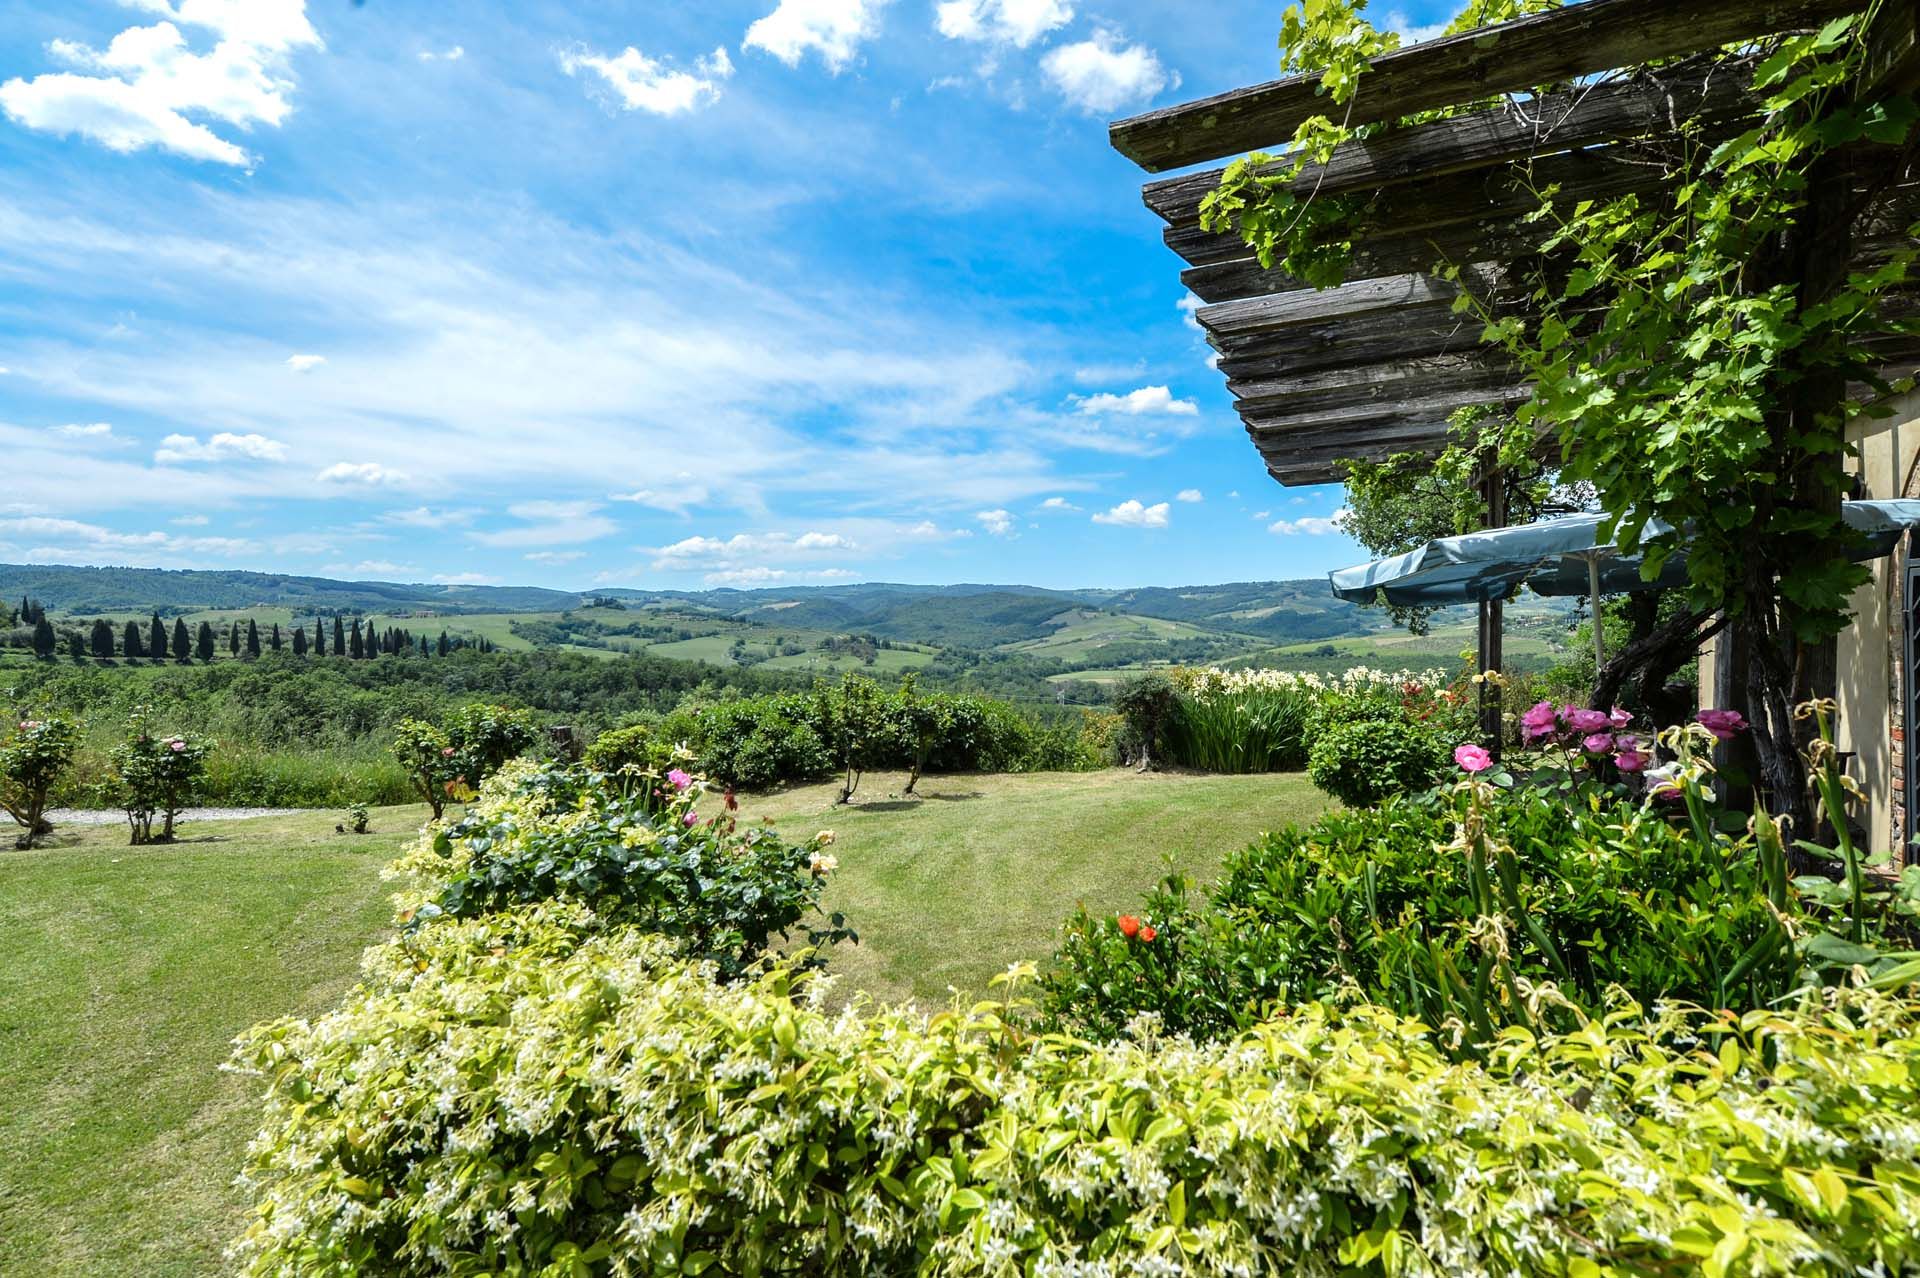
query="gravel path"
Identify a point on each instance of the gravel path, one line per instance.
(77, 816)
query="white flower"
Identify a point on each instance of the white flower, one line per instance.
(822, 863)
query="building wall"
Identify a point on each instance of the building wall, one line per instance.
(1872, 651)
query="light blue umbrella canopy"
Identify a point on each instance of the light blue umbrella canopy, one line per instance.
(1564, 556)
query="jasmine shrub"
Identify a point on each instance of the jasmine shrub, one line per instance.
(532, 1092)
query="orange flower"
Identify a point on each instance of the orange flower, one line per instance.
(1147, 934)
(1130, 926)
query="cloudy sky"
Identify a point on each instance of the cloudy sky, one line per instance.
(750, 292)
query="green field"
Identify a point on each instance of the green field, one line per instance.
(1081, 634)
(120, 1138)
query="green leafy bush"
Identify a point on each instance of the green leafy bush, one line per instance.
(1388, 901)
(1147, 704)
(32, 760)
(1263, 731)
(721, 893)
(534, 1093)
(452, 762)
(159, 775)
(1364, 754)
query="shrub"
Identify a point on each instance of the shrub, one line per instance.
(31, 761)
(1388, 902)
(159, 775)
(1364, 754)
(451, 762)
(723, 894)
(431, 763)
(533, 1093)
(636, 748)
(1241, 732)
(1146, 702)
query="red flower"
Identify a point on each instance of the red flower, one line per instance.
(1130, 926)
(733, 804)
(1147, 934)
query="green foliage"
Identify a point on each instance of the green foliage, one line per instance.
(1364, 754)
(535, 1093)
(32, 759)
(359, 819)
(158, 774)
(1452, 915)
(1147, 704)
(724, 895)
(432, 763)
(1254, 731)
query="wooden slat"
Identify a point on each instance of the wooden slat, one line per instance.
(1374, 385)
(1893, 50)
(1548, 48)
(1584, 117)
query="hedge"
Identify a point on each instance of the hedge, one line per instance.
(534, 1093)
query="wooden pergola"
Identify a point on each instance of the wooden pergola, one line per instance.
(1376, 366)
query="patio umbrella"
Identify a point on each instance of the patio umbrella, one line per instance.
(1564, 556)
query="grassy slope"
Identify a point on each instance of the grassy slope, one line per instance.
(980, 871)
(133, 968)
(119, 1138)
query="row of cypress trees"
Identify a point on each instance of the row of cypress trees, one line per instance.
(154, 641)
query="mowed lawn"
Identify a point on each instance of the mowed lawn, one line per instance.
(976, 872)
(133, 968)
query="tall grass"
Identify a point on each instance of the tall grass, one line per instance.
(1255, 731)
(249, 776)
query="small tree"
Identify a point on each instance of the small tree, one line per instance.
(76, 646)
(233, 639)
(30, 762)
(159, 775)
(339, 637)
(182, 641)
(131, 645)
(922, 722)
(157, 638)
(273, 640)
(430, 760)
(299, 641)
(854, 716)
(1147, 703)
(101, 640)
(253, 638)
(487, 737)
(206, 642)
(44, 640)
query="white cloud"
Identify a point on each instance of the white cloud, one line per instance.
(675, 500)
(1310, 525)
(1148, 400)
(1059, 504)
(218, 448)
(1410, 32)
(554, 556)
(734, 551)
(450, 55)
(997, 522)
(364, 474)
(748, 577)
(43, 539)
(551, 523)
(142, 88)
(1017, 22)
(652, 84)
(1103, 74)
(305, 363)
(465, 579)
(376, 567)
(190, 521)
(1190, 495)
(834, 29)
(1132, 514)
(92, 430)
(428, 517)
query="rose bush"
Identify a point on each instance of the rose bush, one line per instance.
(32, 760)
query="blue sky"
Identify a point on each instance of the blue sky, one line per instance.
(646, 294)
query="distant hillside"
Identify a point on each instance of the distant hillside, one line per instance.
(111, 590)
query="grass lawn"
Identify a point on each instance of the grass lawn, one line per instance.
(135, 967)
(980, 871)
(132, 969)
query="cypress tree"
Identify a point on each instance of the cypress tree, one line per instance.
(233, 639)
(356, 647)
(182, 641)
(157, 639)
(130, 644)
(319, 638)
(25, 614)
(206, 641)
(339, 636)
(445, 646)
(103, 640)
(273, 641)
(76, 647)
(253, 638)
(43, 641)
(299, 641)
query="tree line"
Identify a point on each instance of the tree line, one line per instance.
(153, 640)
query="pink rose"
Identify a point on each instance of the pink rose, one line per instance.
(1630, 761)
(690, 819)
(1598, 743)
(1619, 718)
(679, 779)
(1473, 758)
(176, 746)
(1588, 721)
(1539, 721)
(447, 753)
(1723, 724)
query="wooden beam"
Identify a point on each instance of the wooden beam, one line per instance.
(1545, 49)
(1893, 51)
(1588, 116)
(1379, 385)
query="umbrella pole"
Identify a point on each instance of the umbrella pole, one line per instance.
(1593, 596)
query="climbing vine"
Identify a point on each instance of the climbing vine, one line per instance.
(1696, 354)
